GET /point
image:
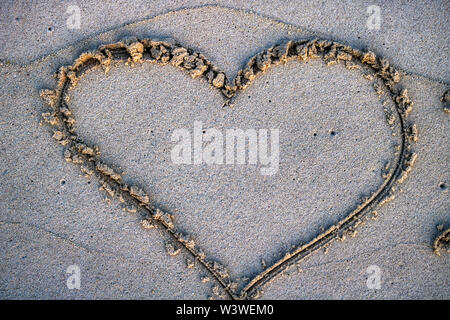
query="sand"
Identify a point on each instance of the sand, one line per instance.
(335, 145)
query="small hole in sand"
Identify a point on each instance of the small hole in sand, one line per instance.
(63, 182)
(332, 133)
(443, 186)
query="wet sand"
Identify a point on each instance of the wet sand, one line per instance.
(337, 147)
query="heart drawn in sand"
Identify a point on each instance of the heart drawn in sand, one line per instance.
(134, 51)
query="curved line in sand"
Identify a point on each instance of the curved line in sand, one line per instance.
(136, 51)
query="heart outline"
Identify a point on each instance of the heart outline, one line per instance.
(133, 50)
